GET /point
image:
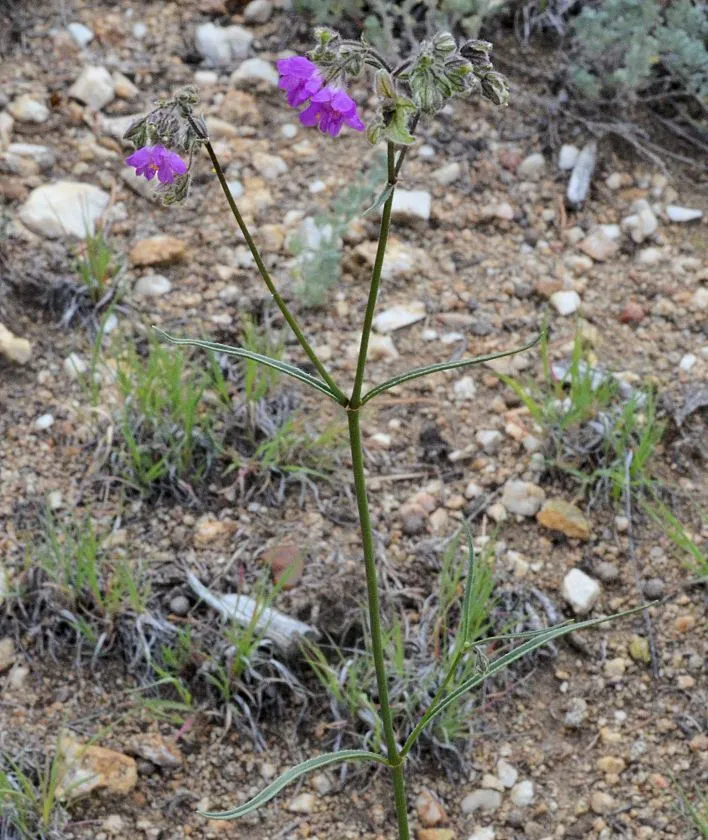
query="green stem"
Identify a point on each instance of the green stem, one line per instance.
(263, 271)
(374, 605)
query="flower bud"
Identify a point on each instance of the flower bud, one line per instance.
(477, 53)
(384, 85)
(323, 35)
(443, 45)
(495, 88)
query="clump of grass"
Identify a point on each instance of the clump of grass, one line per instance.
(420, 656)
(98, 266)
(29, 806)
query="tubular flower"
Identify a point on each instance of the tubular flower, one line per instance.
(332, 108)
(157, 160)
(300, 78)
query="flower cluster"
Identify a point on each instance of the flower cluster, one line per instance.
(157, 160)
(330, 107)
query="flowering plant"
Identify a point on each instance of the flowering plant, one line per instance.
(417, 88)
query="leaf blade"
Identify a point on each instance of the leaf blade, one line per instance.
(290, 776)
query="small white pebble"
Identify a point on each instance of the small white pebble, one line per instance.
(44, 422)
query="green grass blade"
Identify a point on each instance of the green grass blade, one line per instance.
(289, 777)
(416, 373)
(283, 367)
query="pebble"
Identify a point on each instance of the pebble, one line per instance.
(565, 302)
(161, 752)
(206, 78)
(139, 30)
(464, 389)
(27, 109)
(402, 315)
(614, 181)
(601, 802)
(94, 87)
(559, 515)
(7, 123)
(435, 834)
(64, 208)
(567, 156)
(44, 422)
(7, 654)
(157, 250)
(74, 366)
(87, 767)
(611, 764)
(124, 88)
(42, 155)
(179, 605)
(497, 512)
(633, 313)
(152, 285)
(486, 833)
(381, 348)
(271, 167)
(221, 45)
(522, 497)
(581, 176)
(426, 152)
(447, 175)
(255, 70)
(289, 130)
(429, 810)
(304, 803)
(682, 214)
(654, 589)
(639, 649)
(607, 572)
(580, 591)
(411, 204)
(687, 362)
(490, 440)
(322, 783)
(209, 531)
(699, 299)
(651, 256)
(532, 167)
(14, 348)
(484, 799)
(599, 245)
(522, 794)
(576, 713)
(258, 11)
(615, 668)
(642, 223)
(491, 781)
(507, 774)
(499, 210)
(81, 34)
(113, 824)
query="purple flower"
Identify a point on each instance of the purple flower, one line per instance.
(331, 108)
(157, 159)
(300, 78)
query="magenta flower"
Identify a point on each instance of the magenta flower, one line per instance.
(331, 108)
(151, 160)
(300, 78)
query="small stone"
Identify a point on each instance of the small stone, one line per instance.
(577, 713)
(607, 572)
(464, 389)
(601, 802)
(255, 70)
(633, 313)
(484, 799)
(473, 490)
(497, 512)
(435, 834)
(650, 256)
(27, 109)
(581, 176)
(567, 156)
(639, 649)
(152, 285)
(402, 315)
(486, 833)
(258, 11)
(44, 422)
(687, 362)
(699, 299)
(381, 348)
(322, 783)
(532, 167)
(614, 181)
(522, 794)
(13, 348)
(287, 563)
(611, 764)
(179, 605)
(565, 302)
(74, 366)
(615, 668)
(124, 88)
(439, 520)
(429, 810)
(522, 497)
(682, 214)
(411, 203)
(7, 654)
(598, 245)
(86, 767)
(654, 589)
(491, 781)
(642, 223)
(490, 440)
(621, 524)
(447, 175)
(271, 167)
(413, 523)
(81, 34)
(157, 250)
(94, 87)
(42, 155)
(159, 751)
(559, 515)
(139, 30)
(209, 531)
(113, 824)
(506, 773)
(7, 124)
(304, 803)
(221, 45)
(64, 208)
(580, 591)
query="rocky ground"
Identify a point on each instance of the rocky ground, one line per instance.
(596, 739)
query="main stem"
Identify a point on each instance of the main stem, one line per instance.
(367, 535)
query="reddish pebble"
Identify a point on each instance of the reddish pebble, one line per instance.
(632, 313)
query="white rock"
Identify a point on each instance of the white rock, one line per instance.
(65, 208)
(599, 245)
(486, 833)
(13, 348)
(139, 184)
(381, 347)
(44, 422)
(94, 87)
(565, 302)
(304, 803)
(74, 366)
(642, 224)
(522, 794)
(117, 126)
(221, 45)
(426, 152)
(473, 490)
(531, 168)
(43, 155)
(411, 203)
(687, 362)
(152, 285)
(7, 123)
(490, 440)
(123, 87)
(567, 156)
(699, 299)
(580, 591)
(81, 34)
(289, 130)
(256, 70)
(579, 183)
(317, 187)
(452, 337)
(206, 78)
(497, 512)
(522, 497)
(613, 232)
(448, 174)
(258, 11)
(682, 214)
(506, 773)
(651, 256)
(236, 188)
(27, 109)
(464, 388)
(614, 181)
(484, 799)
(402, 315)
(139, 30)
(269, 166)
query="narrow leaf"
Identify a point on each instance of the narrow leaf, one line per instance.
(282, 367)
(416, 373)
(289, 777)
(464, 631)
(380, 201)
